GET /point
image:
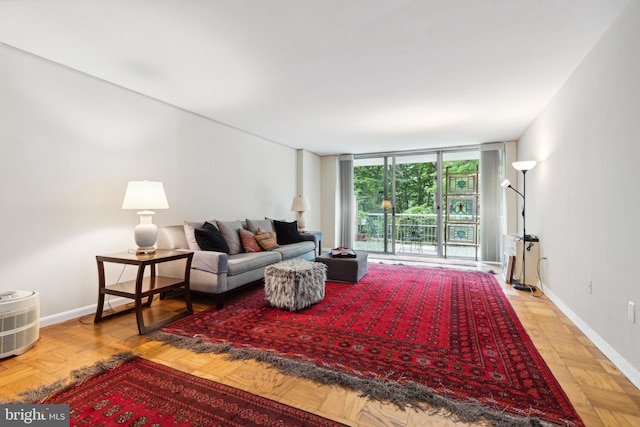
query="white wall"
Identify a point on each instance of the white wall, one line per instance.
(330, 203)
(310, 185)
(512, 201)
(583, 198)
(71, 142)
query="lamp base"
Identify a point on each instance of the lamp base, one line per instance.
(145, 251)
(522, 286)
(301, 222)
(145, 234)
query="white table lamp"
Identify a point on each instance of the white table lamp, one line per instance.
(145, 195)
(301, 205)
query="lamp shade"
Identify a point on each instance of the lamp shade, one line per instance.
(525, 165)
(300, 204)
(505, 183)
(145, 195)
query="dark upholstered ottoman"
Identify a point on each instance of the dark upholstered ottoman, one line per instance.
(294, 284)
(345, 269)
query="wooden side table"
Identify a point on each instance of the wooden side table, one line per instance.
(144, 287)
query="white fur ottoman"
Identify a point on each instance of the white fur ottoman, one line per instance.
(294, 284)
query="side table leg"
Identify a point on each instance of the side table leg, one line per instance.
(187, 298)
(187, 288)
(101, 285)
(153, 278)
(98, 316)
(138, 304)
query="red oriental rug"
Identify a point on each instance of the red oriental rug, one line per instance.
(138, 392)
(404, 334)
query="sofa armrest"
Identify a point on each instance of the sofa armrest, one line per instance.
(172, 237)
(310, 237)
(210, 261)
(315, 237)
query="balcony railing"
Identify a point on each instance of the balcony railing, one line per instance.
(414, 234)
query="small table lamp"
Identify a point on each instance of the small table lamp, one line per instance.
(301, 205)
(145, 195)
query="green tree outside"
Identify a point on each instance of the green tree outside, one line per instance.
(416, 185)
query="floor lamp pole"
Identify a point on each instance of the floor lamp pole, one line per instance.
(386, 224)
(386, 205)
(523, 284)
(524, 167)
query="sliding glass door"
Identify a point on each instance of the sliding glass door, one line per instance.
(373, 189)
(396, 198)
(460, 204)
(400, 202)
(416, 202)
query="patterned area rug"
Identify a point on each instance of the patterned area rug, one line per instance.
(138, 392)
(404, 334)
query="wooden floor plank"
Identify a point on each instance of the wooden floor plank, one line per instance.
(598, 390)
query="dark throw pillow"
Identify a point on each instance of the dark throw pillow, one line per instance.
(287, 232)
(209, 238)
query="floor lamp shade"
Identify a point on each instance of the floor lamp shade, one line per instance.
(145, 196)
(524, 165)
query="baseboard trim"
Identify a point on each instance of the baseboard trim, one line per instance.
(627, 369)
(78, 312)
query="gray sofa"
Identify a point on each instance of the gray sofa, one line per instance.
(218, 273)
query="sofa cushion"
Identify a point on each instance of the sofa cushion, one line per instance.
(294, 250)
(287, 232)
(254, 224)
(209, 238)
(229, 230)
(244, 262)
(249, 241)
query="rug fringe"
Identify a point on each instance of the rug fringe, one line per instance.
(42, 392)
(409, 394)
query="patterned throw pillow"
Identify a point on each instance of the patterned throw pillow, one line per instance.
(266, 240)
(248, 241)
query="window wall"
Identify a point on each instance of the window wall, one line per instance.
(400, 201)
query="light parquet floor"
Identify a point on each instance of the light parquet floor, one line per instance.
(599, 392)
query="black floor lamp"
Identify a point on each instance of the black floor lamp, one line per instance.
(524, 167)
(386, 205)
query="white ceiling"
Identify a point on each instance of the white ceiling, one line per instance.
(329, 76)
